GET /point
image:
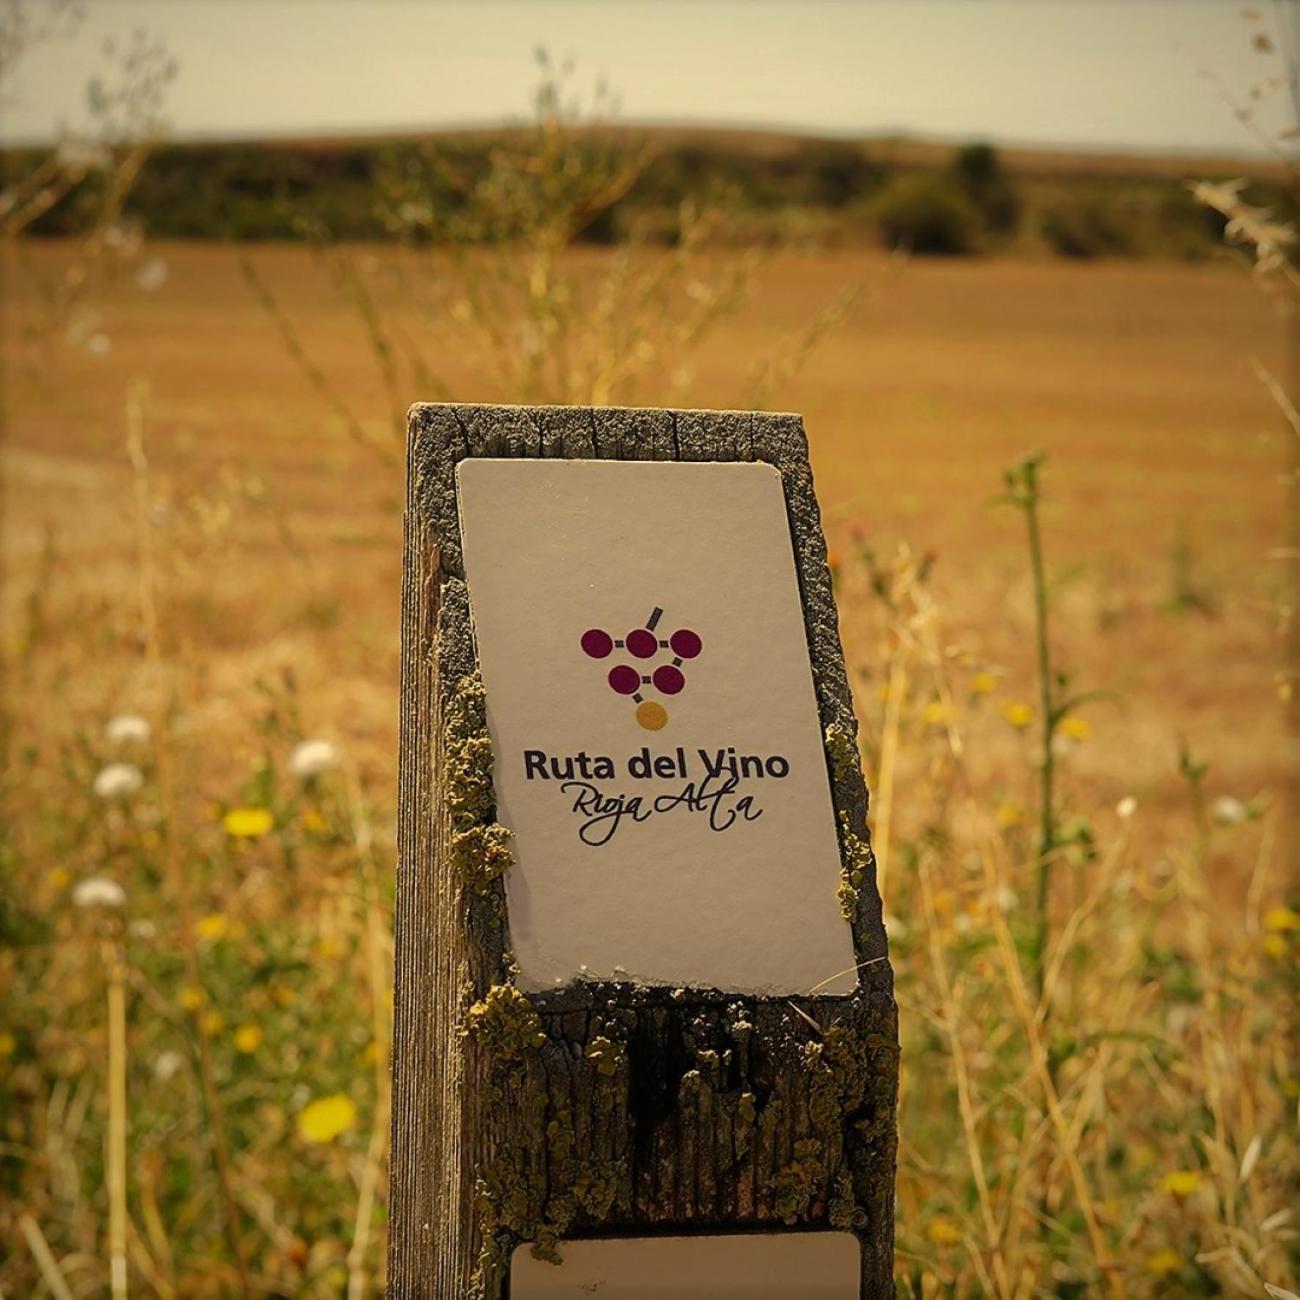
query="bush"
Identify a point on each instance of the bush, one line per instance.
(977, 169)
(1087, 229)
(928, 214)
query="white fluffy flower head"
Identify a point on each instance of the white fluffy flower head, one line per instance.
(127, 729)
(118, 780)
(98, 891)
(312, 757)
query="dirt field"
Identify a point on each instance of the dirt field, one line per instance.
(1135, 378)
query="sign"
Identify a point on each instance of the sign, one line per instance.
(806, 1266)
(645, 1037)
(658, 755)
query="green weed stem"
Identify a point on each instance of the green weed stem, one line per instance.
(1023, 488)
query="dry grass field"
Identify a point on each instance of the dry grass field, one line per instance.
(237, 585)
(1136, 379)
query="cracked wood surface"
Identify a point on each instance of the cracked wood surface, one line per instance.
(620, 1110)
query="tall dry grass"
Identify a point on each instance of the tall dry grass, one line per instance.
(1099, 1072)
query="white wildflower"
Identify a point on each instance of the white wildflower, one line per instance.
(127, 729)
(118, 780)
(312, 757)
(98, 891)
(1005, 898)
(143, 929)
(167, 1065)
(152, 275)
(894, 926)
(1126, 807)
(1228, 811)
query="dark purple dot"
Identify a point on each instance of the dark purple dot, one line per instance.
(685, 643)
(625, 679)
(641, 642)
(669, 680)
(597, 643)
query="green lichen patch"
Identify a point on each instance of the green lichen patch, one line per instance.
(794, 1187)
(840, 1070)
(505, 1023)
(468, 776)
(607, 1055)
(843, 1211)
(481, 855)
(480, 845)
(855, 859)
(841, 750)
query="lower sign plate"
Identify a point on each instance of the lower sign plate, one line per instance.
(807, 1265)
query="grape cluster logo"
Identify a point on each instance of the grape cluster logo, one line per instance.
(644, 643)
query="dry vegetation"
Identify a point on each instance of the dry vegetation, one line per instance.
(1075, 747)
(193, 536)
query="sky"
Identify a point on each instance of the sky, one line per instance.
(1110, 74)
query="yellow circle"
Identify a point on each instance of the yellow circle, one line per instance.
(651, 715)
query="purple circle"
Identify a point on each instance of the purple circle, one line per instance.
(641, 642)
(597, 643)
(668, 679)
(625, 679)
(685, 643)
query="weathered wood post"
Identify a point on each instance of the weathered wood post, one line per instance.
(645, 1021)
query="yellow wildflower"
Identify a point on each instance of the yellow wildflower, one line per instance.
(211, 927)
(329, 946)
(984, 683)
(248, 1038)
(936, 713)
(942, 1231)
(8, 1044)
(1018, 715)
(1275, 945)
(1281, 918)
(212, 1022)
(59, 878)
(313, 821)
(191, 998)
(247, 823)
(1009, 814)
(1074, 727)
(370, 1053)
(281, 994)
(1180, 1183)
(1160, 1263)
(325, 1118)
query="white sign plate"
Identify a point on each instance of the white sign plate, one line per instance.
(810, 1265)
(650, 701)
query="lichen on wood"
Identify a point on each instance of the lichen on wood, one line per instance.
(480, 845)
(607, 1108)
(856, 862)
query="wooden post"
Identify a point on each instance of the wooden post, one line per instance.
(608, 1108)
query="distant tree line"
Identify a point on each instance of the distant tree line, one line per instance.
(816, 192)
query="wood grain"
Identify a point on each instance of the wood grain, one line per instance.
(611, 1109)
